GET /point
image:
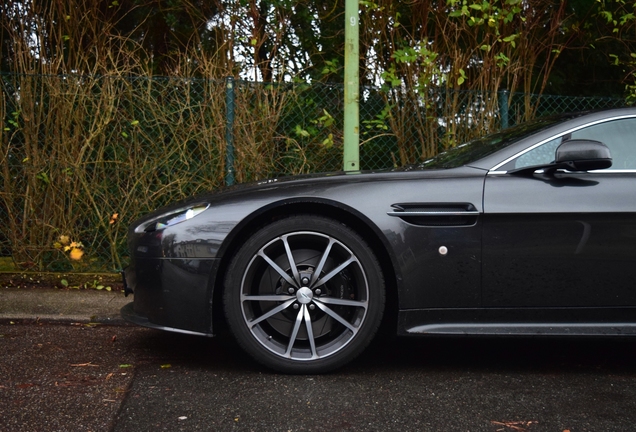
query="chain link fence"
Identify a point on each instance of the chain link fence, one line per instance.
(82, 157)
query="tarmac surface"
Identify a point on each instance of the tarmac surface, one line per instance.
(69, 363)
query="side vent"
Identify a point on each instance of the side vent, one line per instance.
(436, 215)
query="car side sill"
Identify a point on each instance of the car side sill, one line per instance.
(527, 329)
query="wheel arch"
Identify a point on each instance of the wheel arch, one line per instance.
(352, 218)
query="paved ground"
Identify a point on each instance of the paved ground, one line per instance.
(433, 385)
(61, 374)
(64, 377)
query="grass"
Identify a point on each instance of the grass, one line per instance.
(7, 265)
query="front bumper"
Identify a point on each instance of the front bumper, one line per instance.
(128, 313)
(171, 294)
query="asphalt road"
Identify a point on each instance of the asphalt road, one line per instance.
(62, 377)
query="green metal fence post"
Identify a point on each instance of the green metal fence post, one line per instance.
(503, 108)
(352, 88)
(229, 131)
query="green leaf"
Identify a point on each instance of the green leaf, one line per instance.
(134, 122)
(607, 15)
(64, 282)
(328, 142)
(627, 17)
(125, 366)
(124, 134)
(301, 132)
(44, 177)
(368, 4)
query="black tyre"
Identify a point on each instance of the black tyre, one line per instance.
(304, 295)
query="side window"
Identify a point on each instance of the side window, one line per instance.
(619, 136)
(544, 154)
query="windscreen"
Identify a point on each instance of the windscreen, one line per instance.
(471, 151)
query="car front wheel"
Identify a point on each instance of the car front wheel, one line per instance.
(304, 295)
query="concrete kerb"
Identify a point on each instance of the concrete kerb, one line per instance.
(72, 305)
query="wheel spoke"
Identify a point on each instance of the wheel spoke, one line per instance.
(341, 302)
(271, 312)
(290, 259)
(337, 317)
(322, 262)
(323, 280)
(292, 338)
(277, 268)
(310, 333)
(271, 297)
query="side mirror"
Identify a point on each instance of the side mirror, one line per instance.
(582, 155)
(573, 155)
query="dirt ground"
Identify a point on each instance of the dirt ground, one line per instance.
(61, 280)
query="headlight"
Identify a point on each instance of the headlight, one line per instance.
(172, 218)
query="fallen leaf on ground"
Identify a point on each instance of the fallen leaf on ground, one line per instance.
(520, 426)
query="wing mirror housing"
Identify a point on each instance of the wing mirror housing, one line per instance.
(582, 155)
(574, 155)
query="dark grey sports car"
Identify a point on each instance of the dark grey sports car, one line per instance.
(531, 231)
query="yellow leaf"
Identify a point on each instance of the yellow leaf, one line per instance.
(76, 254)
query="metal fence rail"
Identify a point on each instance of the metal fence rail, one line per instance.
(84, 156)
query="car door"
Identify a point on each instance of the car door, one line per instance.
(567, 239)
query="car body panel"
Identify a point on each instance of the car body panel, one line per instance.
(567, 240)
(163, 258)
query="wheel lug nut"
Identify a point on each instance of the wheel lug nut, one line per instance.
(318, 291)
(291, 290)
(305, 281)
(312, 307)
(296, 306)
